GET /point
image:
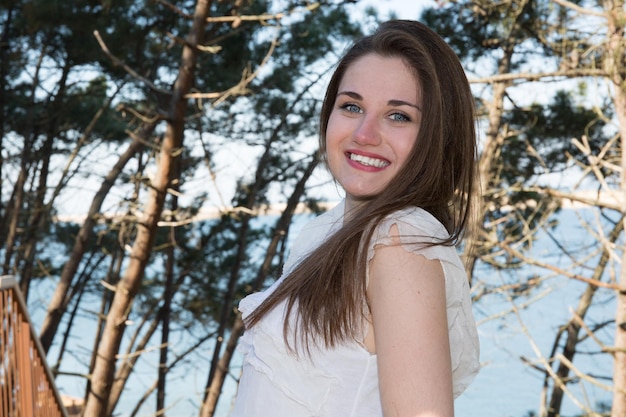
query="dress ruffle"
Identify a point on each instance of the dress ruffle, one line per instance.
(264, 348)
(343, 380)
(417, 231)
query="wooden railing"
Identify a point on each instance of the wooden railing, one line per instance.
(26, 384)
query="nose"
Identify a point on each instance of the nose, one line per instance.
(368, 131)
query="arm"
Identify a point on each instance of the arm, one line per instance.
(407, 298)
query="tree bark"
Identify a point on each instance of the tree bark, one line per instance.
(486, 167)
(572, 329)
(60, 300)
(10, 223)
(614, 66)
(104, 369)
(251, 201)
(219, 372)
(168, 293)
(215, 388)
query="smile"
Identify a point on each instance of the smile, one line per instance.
(367, 161)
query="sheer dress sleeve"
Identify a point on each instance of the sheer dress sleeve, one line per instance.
(417, 231)
(343, 380)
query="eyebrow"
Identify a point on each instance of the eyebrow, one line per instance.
(357, 96)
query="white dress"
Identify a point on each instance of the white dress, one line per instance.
(343, 381)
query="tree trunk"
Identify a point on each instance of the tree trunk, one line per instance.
(165, 315)
(104, 370)
(4, 71)
(486, 168)
(215, 388)
(14, 211)
(614, 66)
(572, 329)
(113, 274)
(79, 290)
(60, 300)
(128, 365)
(39, 213)
(219, 372)
(38, 218)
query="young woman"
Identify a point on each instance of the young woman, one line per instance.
(372, 316)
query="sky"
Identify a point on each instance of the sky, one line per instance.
(489, 394)
(404, 9)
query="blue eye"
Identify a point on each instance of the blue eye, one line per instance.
(400, 117)
(352, 108)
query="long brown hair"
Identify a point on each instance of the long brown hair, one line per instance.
(327, 289)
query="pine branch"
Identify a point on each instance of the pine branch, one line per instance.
(118, 62)
(577, 8)
(579, 72)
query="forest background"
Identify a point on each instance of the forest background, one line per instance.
(157, 157)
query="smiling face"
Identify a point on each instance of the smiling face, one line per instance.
(373, 125)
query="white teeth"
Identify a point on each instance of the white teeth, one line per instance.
(366, 160)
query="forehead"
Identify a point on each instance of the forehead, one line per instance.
(381, 75)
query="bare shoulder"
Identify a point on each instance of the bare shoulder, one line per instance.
(393, 267)
(407, 299)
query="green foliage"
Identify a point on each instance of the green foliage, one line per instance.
(533, 140)
(56, 78)
(547, 132)
(480, 29)
(64, 96)
(540, 142)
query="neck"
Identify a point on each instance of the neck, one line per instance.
(352, 207)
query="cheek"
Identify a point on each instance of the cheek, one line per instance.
(406, 152)
(333, 133)
(403, 151)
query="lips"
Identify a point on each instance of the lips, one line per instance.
(368, 161)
